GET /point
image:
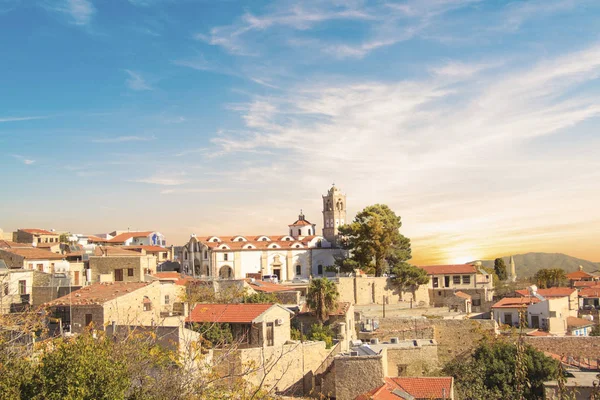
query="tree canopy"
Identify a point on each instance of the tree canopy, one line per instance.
(375, 241)
(500, 269)
(550, 277)
(322, 297)
(490, 372)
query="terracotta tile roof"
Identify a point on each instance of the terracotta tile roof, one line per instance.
(551, 292)
(419, 388)
(128, 235)
(93, 238)
(35, 254)
(515, 302)
(231, 313)
(35, 231)
(301, 222)
(7, 244)
(538, 333)
(463, 295)
(98, 293)
(578, 275)
(581, 284)
(286, 244)
(268, 287)
(450, 269)
(590, 292)
(574, 322)
(342, 309)
(148, 248)
(114, 251)
(46, 245)
(167, 275)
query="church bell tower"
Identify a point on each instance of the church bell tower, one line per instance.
(334, 214)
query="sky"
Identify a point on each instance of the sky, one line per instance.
(475, 121)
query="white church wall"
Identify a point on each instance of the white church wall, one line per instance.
(249, 262)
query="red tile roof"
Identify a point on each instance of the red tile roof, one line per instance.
(35, 231)
(147, 248)
(98, 293)
(301, 222)
(449, 269)
(538, 333)
(463, 295)
(93, 238)
(128, 235)
(268, 287)
(419, 388)
(46, 245)
(578, 275)
(590, 292)
(230, 313)
(581, 284)
(7, 244)
(574, 322)
(35, 254)
(516, 302)
(551, 292)
(167, 275)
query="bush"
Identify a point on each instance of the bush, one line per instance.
(321, 332)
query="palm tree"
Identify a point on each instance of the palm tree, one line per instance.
(322, 297)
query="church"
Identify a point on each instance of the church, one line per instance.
(297, 254)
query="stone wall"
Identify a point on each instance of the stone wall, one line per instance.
(357, 375)
(107, 266)
(454, 337)
(575, 346)
(291, 297)
(412, 361)
(363, 290)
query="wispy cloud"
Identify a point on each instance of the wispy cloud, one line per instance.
(14, 119)
(163, 179)
(122, 139)
(23, 159)
(136, 81)
(80, 11)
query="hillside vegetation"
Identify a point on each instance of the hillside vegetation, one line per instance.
(528, 264)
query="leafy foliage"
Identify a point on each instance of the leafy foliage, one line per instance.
(322, 297)
(409, 276)
(547, 278)
(595, 331)
(375, 241)
(500, 269)
(261, 298)
(321, 332)
(214, 334)
(489, 373)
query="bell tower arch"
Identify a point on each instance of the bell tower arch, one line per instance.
(334, 214)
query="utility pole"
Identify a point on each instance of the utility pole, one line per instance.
(383, 306)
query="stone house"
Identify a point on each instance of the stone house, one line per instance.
(252, 325)
(15, 288)
(460, 302)
(101, 304)
(556, 292)
(579, 326)
(445, 280)
(341, 320)
(30, 258)
(430, 388)
(146, 238)
(548, 315)
(128, 266)
(589, 297)
(162, 254)
(581, 276)
(415, 357)
(35, 236)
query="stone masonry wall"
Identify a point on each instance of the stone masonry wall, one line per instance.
(372, 290)
(357, 375)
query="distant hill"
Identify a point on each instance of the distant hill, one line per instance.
(528, 264)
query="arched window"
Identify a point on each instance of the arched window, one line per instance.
(264, 239)
(240, 240)
(225, 257)
(299, 232)
(205, 254)
(319, 269)
(298, 269)
(309, 231)
(147, 304)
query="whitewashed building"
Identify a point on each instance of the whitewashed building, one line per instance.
(299, 254)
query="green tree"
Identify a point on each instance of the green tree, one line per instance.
(261, 298)
(595, 331)
(490, 371)
(550, 277)
(214, 334)
(63, 238)
(409, 276)
(500, 269)
(375, 241)
(321, 332)
(322, 297)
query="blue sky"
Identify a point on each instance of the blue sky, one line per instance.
(475, 120)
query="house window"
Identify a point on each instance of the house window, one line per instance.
(147, 304)
(298, 270)
(456, 279)
(310, 231)
(225, 257)
(185, 255)
(165, 255)
(30, 265)
(476, 302)
(265, 239)
(22, 287)
(129, 271)
(270, 334)
(39, 240)
(88, 319)
(118, 275)
(76, 278)
(436, 282)
(299, 232)
(319, 269)
(508, 319)
(5, 289)
(552, 314)
(167, 299)
(466, 279)
(40, 267)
